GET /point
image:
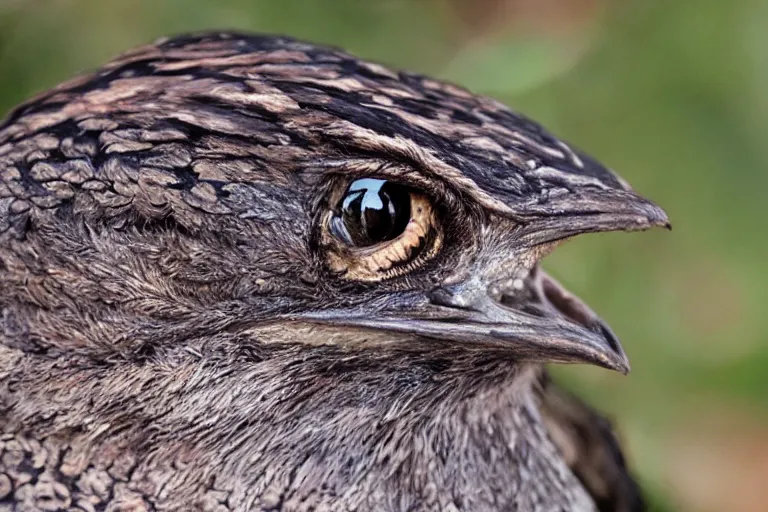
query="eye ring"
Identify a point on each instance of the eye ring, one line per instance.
(398, 236)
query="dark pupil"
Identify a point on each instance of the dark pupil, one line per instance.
(375, 211)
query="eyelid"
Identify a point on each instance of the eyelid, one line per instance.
(398, 172)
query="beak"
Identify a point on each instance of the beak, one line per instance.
(588, 211)
(541, 322)
(545, 323)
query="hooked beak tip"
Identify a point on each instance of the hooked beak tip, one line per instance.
(619, 363)
(654, 215)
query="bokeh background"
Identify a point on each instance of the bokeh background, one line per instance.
(672, 94)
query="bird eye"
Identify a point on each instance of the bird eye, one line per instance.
(379, 229)
(371, 212)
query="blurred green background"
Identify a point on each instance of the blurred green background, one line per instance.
(672, 94)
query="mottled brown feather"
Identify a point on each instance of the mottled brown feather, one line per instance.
(158, 230)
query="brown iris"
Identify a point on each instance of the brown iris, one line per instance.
(380, 229)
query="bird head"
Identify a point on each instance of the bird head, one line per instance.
(292, 195)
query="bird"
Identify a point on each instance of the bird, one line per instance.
(247, 272)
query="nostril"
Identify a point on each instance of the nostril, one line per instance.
(440, 297)
(468, 295)
(449, 297)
